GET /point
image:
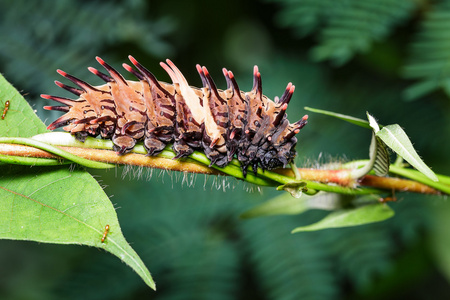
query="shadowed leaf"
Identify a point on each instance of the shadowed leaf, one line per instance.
(351, 217)
(287, 205)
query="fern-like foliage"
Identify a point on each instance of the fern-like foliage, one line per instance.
(429, 62)
(311, 278)
(314, 265)
(31, 54)
(193, 273)
(345, 27)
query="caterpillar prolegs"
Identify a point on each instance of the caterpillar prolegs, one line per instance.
(221, 123)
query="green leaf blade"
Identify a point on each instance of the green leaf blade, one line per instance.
(396, 139)
(365, 214)
(63, 207)
(381, 166)
(379, 157)
(20, 120)
(350, 119)
(378, 153)
(55, 205)
(285, 204)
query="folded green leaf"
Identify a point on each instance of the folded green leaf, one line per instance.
(381, 165)
(396, 139)
(379, 157)
(379, 152)
(361, 215)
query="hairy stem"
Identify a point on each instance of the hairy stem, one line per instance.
(342, 181)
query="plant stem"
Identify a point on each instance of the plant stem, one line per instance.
(441, 185)
(55, 151)
(317, 180)
(399, 184)
(31, 161)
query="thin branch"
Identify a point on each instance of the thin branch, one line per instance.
(340, 177)
(108, 156)
(398, 184)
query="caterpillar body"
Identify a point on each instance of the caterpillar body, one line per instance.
(221, 123)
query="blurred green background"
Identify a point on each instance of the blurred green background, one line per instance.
(388, 57)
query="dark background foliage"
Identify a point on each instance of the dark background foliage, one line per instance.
(346, 56)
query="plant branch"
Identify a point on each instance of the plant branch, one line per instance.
(109, 156)
(343, 177)
(341, 180)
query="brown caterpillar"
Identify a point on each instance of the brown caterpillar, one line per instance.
(221, 123)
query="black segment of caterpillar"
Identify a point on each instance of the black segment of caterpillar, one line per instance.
(221, 123)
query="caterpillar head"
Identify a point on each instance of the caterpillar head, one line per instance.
(77, 118)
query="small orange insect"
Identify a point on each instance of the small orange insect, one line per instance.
(5, 110)
(390, 198)
(105, 233)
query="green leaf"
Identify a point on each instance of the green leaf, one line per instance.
(379, 157)
(381, 164)
(392, 136)
(285, 204)
(378, 153)
(20, 119)
(396, 139)
(373, 123)
(420, 89)
(54, 204)
(361, 215)
(350, 119)
(344, 28)
(428, 60)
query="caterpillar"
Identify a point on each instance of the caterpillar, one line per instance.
(5, 110)
(221, 123)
